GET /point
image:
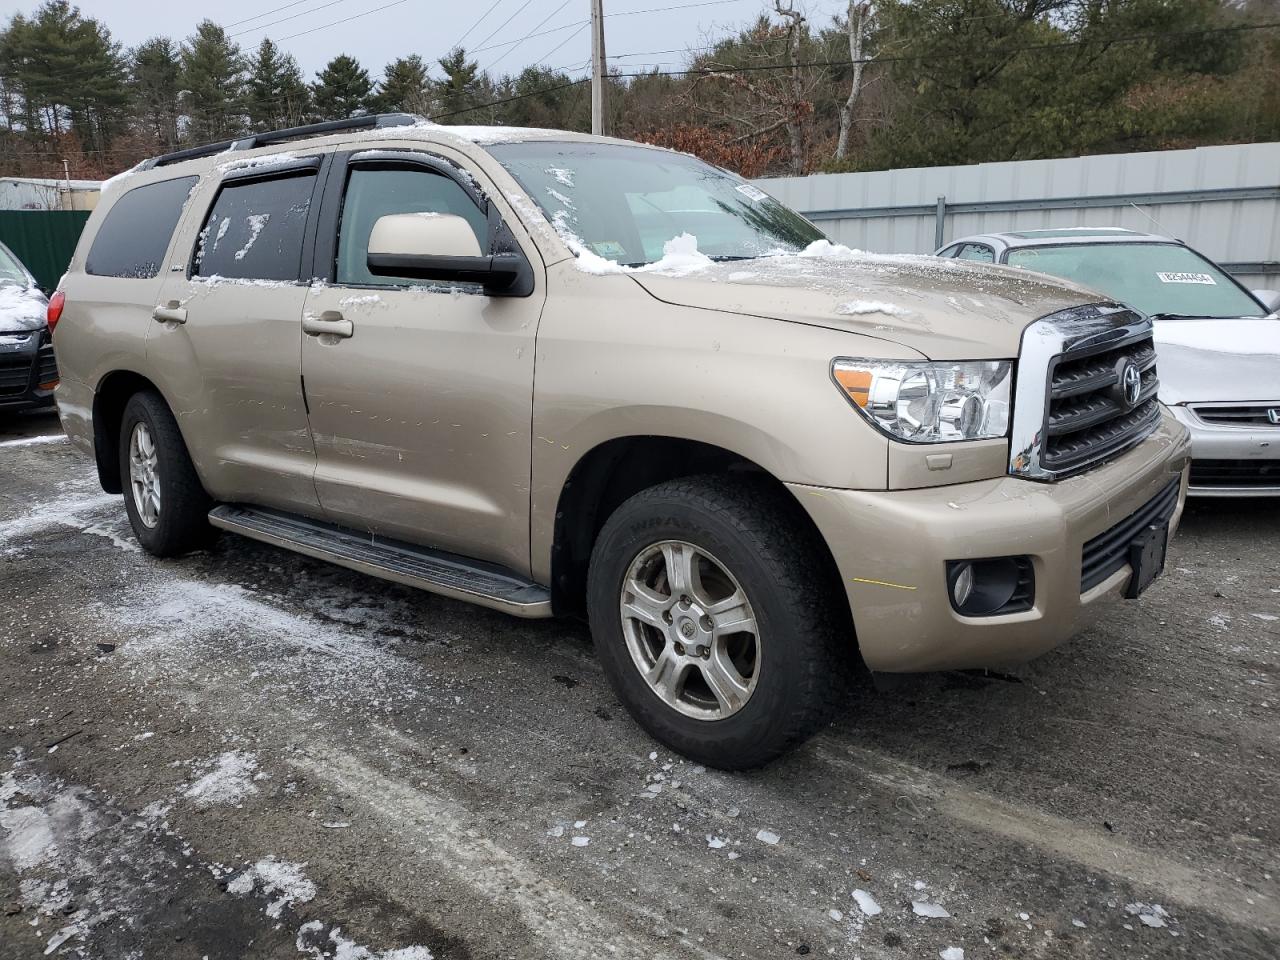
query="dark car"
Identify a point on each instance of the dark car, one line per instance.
(28, 371)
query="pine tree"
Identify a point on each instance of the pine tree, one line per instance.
(406, 86)
(342, 89)
(458, 91)
(68, 73)
(213, 79)
(276, 95)
(153, 82)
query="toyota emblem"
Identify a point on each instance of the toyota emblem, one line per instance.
(1130, 384)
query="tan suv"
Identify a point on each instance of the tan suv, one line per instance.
(550, 373)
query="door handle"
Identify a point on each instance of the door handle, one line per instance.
(173, 313)
(329, 323)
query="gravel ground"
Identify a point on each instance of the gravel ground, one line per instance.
(248, 754)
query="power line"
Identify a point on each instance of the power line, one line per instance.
(457, 43)
(556, 48)
(264, 13)
(325, 26)
(522, 96)
(519, 10)
(522, 40)
(1026, 48)
(292, 16)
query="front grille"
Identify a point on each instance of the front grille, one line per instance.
(1088, 418)
(1235, 473)
(15, 374)
(1109, 551)
(1239, 415)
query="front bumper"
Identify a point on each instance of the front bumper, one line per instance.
(28, 371)
(1231, 461)
(891, 548)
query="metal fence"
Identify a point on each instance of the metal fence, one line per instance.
(44, 240)
(1224, 201)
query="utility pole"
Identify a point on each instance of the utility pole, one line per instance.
(599, 73)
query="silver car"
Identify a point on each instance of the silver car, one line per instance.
(1218, 342)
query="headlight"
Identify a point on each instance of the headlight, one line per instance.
(930, 402)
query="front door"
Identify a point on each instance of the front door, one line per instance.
(420, 395)
(227, 336)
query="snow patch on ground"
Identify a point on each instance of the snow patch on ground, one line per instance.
(933, 911)
(228, 781)
(1150, 914)
(313, 943)
(281, 882)
(768, 836)
(867, 903)
(31, 441)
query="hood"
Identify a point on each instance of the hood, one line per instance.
(1218, 360)
(944, 309)
(21, 308)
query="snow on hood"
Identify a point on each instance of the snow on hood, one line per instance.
(1222, 360)
(945, 309)
(21, 308)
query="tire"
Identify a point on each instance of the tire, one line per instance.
(181, 521)
(803, 642)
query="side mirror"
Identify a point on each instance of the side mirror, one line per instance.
(1270, 299)
(443, 247)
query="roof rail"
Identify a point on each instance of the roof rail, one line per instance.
(279, 136)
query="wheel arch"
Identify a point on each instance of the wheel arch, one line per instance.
(617, 469)
(109, 399)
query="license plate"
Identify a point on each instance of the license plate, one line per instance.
(1146, 558)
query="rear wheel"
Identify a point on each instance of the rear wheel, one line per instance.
(716, 621)
(167, 505)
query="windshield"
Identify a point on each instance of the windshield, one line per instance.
(11, 271)
(1156, 278)
(624, 203)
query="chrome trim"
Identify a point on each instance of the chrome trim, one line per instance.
(1093, 326)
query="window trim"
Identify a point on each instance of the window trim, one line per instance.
(314, 167)
(324, 264)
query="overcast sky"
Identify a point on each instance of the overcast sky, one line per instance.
(381, 30)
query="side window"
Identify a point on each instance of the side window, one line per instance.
(255, 229)
(373, 193)
(950, 251)
(135, 235)
(977, 251)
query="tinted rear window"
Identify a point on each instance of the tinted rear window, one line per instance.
(255, 230)
(135, 235)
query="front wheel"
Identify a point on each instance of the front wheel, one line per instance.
(167, 505)
(716, 620)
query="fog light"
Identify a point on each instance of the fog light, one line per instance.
(991, 586)
(962, 585)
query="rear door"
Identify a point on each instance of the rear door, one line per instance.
(227, 333)
(421, 405)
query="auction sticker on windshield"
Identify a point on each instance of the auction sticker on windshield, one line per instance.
(755, 193)
(1187, 278)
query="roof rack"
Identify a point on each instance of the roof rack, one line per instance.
(279, 136)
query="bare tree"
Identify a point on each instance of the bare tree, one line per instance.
(859, 25)
(795, 129)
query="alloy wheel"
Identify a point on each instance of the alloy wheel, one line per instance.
(690, 630)
(144, 475)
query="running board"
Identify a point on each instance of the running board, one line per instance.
(447, 574)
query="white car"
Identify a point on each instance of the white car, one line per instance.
(1218, 343)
